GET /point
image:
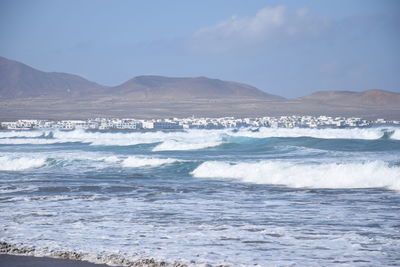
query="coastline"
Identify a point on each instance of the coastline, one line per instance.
(17, 256)
(23, 260)
(32, 261)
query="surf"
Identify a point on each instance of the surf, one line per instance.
(373, 174)
(191, 139)
(9, 163)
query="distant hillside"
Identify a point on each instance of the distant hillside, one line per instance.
(29, 93)
(18, 80)
(158, 87)
(348, 98)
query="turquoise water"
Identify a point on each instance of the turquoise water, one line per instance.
(266, 196)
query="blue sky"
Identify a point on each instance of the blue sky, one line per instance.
(289, 48)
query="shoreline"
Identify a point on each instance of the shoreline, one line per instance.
(23, 260)
(16, 256)
(32, 261)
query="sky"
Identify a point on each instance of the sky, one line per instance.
(289, 48)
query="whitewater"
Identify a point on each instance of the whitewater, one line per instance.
(240, 197)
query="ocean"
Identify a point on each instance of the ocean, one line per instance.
(239, 197)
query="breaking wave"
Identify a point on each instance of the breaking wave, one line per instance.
(8, 163)
(32, 141)
(137, 162)
(395, 135)
(346, 133)
(8, 134)
(176, 145)
(180, 140)
(328, 175)
(188, 139)
(111, 159)
(77, 162)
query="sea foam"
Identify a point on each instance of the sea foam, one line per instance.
(32, 141)
(187, 139)
(346, 133)
(395, 135)
(137, 162)
(8, 163)
(184, 145)
(8, 134)
(176, 140)
(327, 175)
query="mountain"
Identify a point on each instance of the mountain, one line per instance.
(29, 93)
(347, 98)
(18, 80)
(158, 87)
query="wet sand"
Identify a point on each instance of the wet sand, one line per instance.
(29, 261)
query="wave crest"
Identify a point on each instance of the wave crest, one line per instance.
(327, 175)
(137, 162)
(395, 135)
(20, 134)
(8, 163)
(345, 133)
(188, 139)
(176, 145)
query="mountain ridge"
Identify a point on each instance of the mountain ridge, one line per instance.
(151, 86)
(29, 93)
(20, 80)
(367, 97)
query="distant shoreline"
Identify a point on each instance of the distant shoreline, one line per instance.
(319, 122)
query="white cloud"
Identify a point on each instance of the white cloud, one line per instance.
(269, 24)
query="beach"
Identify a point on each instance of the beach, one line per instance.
(30, 261)
(266, 196)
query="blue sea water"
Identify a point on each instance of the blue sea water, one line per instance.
(266, 197)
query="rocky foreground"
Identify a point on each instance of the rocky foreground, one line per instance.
(110, 260)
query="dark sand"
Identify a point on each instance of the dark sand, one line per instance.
(29, 261)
